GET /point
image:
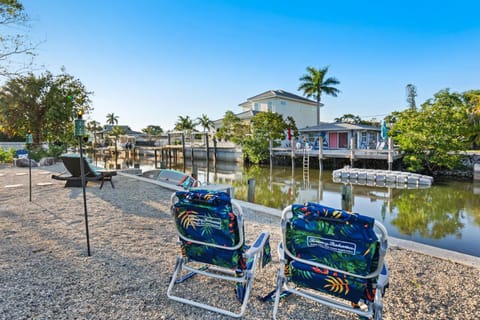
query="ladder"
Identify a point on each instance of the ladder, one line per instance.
(306, 168)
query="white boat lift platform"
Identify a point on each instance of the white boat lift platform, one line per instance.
(381, 177)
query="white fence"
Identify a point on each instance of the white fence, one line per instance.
(14, 145)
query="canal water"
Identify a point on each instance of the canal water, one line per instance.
(445, 215)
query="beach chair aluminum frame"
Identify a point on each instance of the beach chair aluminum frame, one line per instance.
(368, 310)
(242, 277)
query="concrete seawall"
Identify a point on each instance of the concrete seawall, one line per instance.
(449, 255)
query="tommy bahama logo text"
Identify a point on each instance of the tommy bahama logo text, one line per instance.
(332, 245)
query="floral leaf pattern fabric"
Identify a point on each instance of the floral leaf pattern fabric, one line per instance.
(207, 216)
(335, 238)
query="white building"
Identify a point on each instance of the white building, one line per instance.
(302, 110)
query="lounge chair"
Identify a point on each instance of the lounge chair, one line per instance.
(333, 257)
(92, 173)
(212, 243)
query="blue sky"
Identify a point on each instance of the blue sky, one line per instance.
(152, 61)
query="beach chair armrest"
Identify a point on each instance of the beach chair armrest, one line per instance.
(259, 243)
(260, 247)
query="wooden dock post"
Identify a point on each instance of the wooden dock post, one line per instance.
(390, 153)
(352, 152)
(476, 171)
(251, 190)
(320, 153)
(208, 149)
(293, 152)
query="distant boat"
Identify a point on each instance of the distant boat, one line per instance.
(173, 177)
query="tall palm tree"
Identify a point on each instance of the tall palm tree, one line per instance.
(205, 122)
(116, 132)
(184, 123)
(94, 126)
(313, 84)
(112, 119)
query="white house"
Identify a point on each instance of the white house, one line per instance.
(302, 110)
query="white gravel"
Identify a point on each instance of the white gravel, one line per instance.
(45, 272)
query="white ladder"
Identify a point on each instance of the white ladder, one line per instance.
(306, 168)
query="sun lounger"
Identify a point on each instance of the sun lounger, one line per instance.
(92, 173)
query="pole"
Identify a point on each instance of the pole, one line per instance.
(352, 152)
(390, 153)
(82, 173)
(320, 153)
(270, 147)
(293, 152)
(79, 126)
(29, 141)
(251, 190)
(208, 157)
(30, 174)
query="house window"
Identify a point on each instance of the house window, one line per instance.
(255, 106)
(270, 106)
(283, 103)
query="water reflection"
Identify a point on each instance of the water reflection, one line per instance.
(446, 215)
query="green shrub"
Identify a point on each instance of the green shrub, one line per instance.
(38, 153)
(6, 155)
(55, 151)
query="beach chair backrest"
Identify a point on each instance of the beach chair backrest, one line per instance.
(336, 238)
(72, 164)
(332, 250)
(209, 228)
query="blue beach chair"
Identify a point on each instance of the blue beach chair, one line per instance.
(333, 257)
(212, 243)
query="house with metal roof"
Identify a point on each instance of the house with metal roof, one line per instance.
(338, 135)
(302, 110)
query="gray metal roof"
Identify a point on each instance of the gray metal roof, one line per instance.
(279, 94)
(339, 126)
(108, 128)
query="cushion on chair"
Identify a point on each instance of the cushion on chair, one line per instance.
(207, 216)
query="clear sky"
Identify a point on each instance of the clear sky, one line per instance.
(149, 62)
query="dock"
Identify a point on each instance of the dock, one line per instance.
(399, 179)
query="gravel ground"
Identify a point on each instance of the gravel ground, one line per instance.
(45, 272)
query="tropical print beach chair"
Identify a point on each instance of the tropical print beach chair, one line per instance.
(212, 243)
(333, 257)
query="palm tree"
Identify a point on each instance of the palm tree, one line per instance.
(116, 132)
(153, 130)
(112, 119)
(313, 84)
(94, 126)
(185, 123)
(205, 122)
